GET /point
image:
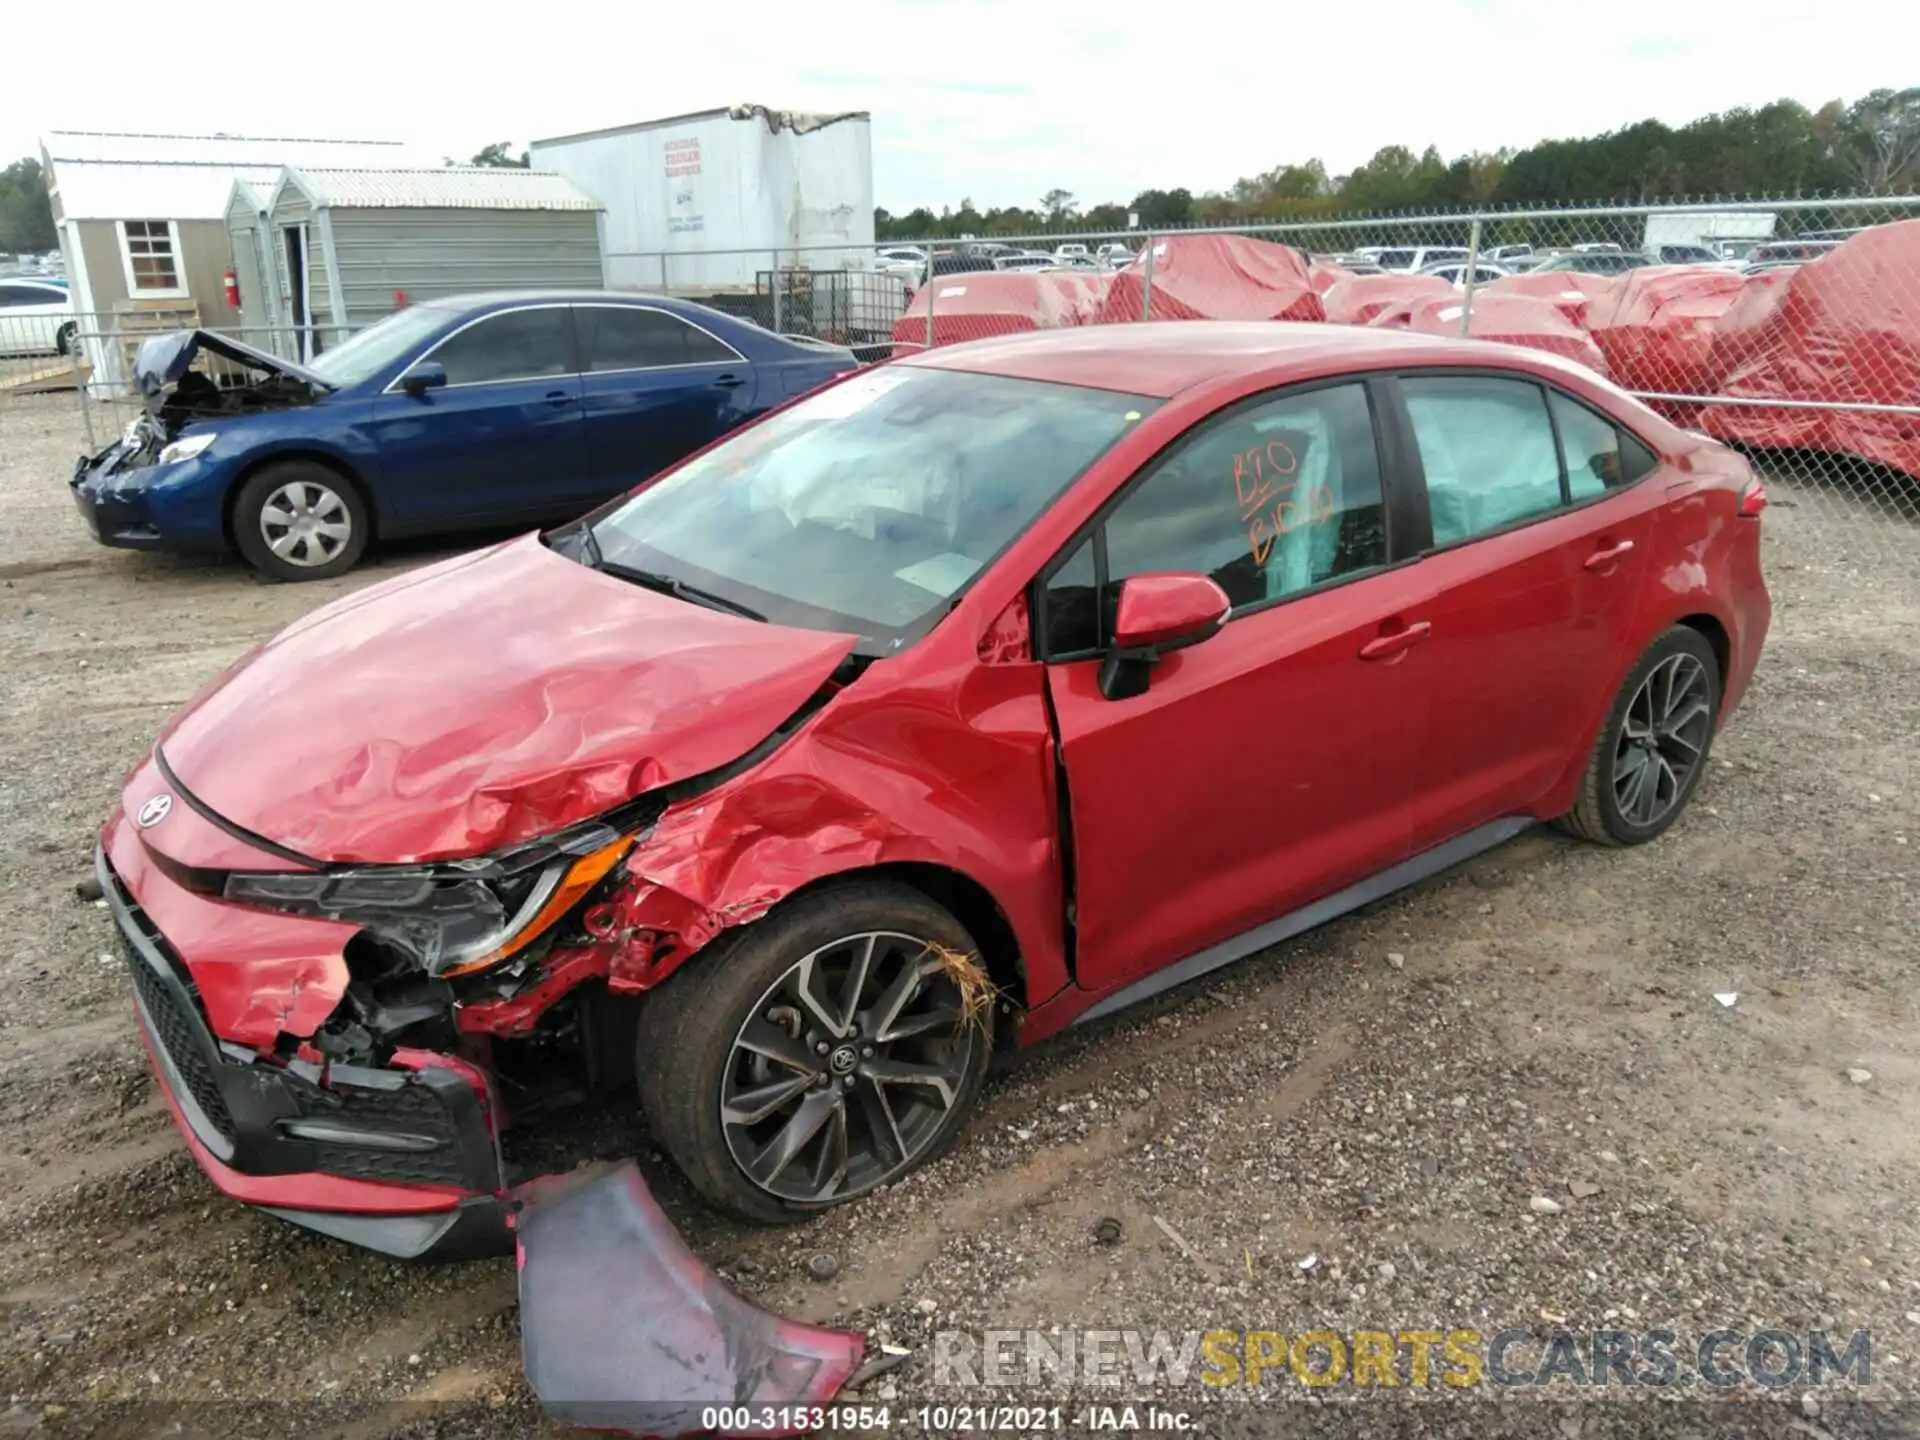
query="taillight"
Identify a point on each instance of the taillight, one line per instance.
(1753, 500)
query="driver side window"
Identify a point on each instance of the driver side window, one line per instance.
(1270, 500)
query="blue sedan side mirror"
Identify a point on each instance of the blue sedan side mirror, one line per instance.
(427, 375)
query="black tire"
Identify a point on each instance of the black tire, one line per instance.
(1601, 813)
(688, 1029)
(63, 338)
(333, 501)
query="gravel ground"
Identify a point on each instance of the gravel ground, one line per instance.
(1358, 1130)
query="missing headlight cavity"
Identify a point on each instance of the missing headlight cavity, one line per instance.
(388, 1002)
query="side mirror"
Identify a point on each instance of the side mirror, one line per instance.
(1157, 613)
(427, 375)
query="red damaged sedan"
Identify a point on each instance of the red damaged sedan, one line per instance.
(977, 695)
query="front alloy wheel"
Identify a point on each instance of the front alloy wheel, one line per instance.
(846, 1069)
(819, 1053)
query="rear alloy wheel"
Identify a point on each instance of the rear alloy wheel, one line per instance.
(300, 521)
(819, 1055)
(1653, 748)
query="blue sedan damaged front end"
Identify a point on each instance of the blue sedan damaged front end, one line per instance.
(162, 485)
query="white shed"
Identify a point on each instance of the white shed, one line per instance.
(351, 246)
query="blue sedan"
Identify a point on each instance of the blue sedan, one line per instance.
(483, 410)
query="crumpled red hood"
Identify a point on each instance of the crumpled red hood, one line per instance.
(480, 702)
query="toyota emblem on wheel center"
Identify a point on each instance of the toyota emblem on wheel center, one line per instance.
(154, 811)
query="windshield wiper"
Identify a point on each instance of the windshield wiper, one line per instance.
(678, 588)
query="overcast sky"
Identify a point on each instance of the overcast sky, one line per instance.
(999, 100)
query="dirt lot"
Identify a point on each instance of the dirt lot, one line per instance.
(1390, 1095)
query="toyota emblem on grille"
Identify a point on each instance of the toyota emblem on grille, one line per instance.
(154, 811)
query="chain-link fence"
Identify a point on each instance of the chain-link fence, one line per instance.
(1788, 327)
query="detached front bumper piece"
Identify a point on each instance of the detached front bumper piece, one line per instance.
(399, 1160)
(623, 1328)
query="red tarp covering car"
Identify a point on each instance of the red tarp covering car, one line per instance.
(1656, 328)
(1215, 277)
(1357, 299)
(1569, 291)
(1842, 329)
(973, 306)
(1323, 275)
(1509, 319)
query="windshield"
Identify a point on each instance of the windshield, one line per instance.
(366, 354)
(869, 508)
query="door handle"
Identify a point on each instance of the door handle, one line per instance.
(1386, 647)
(729, 382)
(557, 398)
(1600, 559)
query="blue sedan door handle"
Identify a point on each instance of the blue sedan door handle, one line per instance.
(730, 382)
(558, 398)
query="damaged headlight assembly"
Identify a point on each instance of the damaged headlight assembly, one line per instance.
(455, 917)
(187, 447)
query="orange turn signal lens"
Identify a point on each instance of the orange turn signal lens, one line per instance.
(585, 873)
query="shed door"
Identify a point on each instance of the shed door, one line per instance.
(254, 310)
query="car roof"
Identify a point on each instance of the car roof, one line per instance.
(486, 299)
(1165, 359)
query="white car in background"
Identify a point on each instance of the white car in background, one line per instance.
(1454, 272)
(36, 317)
(909, 262)
(1411, 259)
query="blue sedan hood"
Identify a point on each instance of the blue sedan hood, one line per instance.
(162, 360)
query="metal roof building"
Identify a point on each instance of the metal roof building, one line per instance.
(351, 245)
(143, 220)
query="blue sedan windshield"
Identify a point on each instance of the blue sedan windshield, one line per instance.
(379, 345)
(871, 506)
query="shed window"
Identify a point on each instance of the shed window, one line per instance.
(152, 258)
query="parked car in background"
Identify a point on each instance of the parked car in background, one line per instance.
(1073, 250)
(1454, 272)
(909, 262)
(1410, 260)
(1593, 262)
(1794, 252)
(868, 744)
(1683, 255)
(474, 411)
(959, 262)
(1114, 254)
(1357, 262)
(36, 317)
(1025, 260)
(1502, 254)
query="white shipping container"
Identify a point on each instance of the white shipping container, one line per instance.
(749, 180)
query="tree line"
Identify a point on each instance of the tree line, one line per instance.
(26, 213)
(1870, 146)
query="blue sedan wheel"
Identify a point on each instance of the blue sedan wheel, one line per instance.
(300, 521)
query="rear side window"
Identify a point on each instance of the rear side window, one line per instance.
(516, 345)
(1599, 456)
(1269, 501)
(1487, 447)
(631, 338)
